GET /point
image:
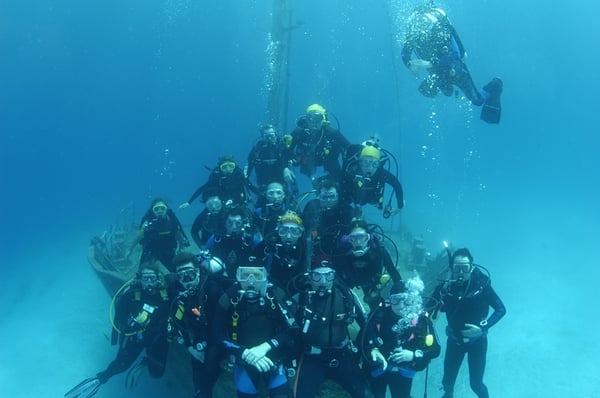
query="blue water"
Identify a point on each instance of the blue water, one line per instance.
(106, 104)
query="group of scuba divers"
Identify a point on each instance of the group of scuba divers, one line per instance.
(273, 293)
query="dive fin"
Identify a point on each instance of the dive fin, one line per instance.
(491, 109)
(86, 389)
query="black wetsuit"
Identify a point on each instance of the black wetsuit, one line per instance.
(141, 317)
(468, 303)
(160, 238)
(365, 271)
(268, 160)
(328, 353)
(232, 188)
(205, 225)
(243, 323)
(432, 38)
(323, 147)
(266, 218)
(235, 250)
(193, 315)
(362, 189)
(285, 263)
(385, 333)
(325, 226)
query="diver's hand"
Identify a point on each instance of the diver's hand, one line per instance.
(416, 65)
(471, 331)
(401, 355)
(288, 175)
(377, 356)
(264, 364)
(184, 205)
(251, 355)
(198, 355)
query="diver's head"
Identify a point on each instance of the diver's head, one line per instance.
(212, 200)
(214, 204)
(405, 297)
(290, 228)
(227, 164)
(369, 160)
(268, 134)
(275, 194)
(461, 266)
(359, 237)
(159, 208)
(187, 271)
(315, 116)
(321, 277)
(234, 223)
(252, 282)
(328, 194)
(150, 277)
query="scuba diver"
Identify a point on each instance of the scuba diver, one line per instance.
(211, 219)
(141, 310)
(285, 253)
(229, 181)
(191, 319)
(327, 309)
(466, 297)
(237, 243)
(254, 325)
(365, 178)
(315, 143)
(274, 205)
(366, 263)
(325, 218)
(434, 42)
(400, 340)
(270, 159)
(161, 235)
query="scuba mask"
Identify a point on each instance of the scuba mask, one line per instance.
(461, 272)
(252, 281)
(290, 233)
(321, 279)
(189, 277)
(368, 165)
(359, 239)
(314, 120)
(227, 167)
(328, 199)
(150, 281)
(214, 204)
(407, 306)
(159, 209)
(407, 303)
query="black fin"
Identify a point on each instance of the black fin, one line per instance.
(491, 110)
(86, 389)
